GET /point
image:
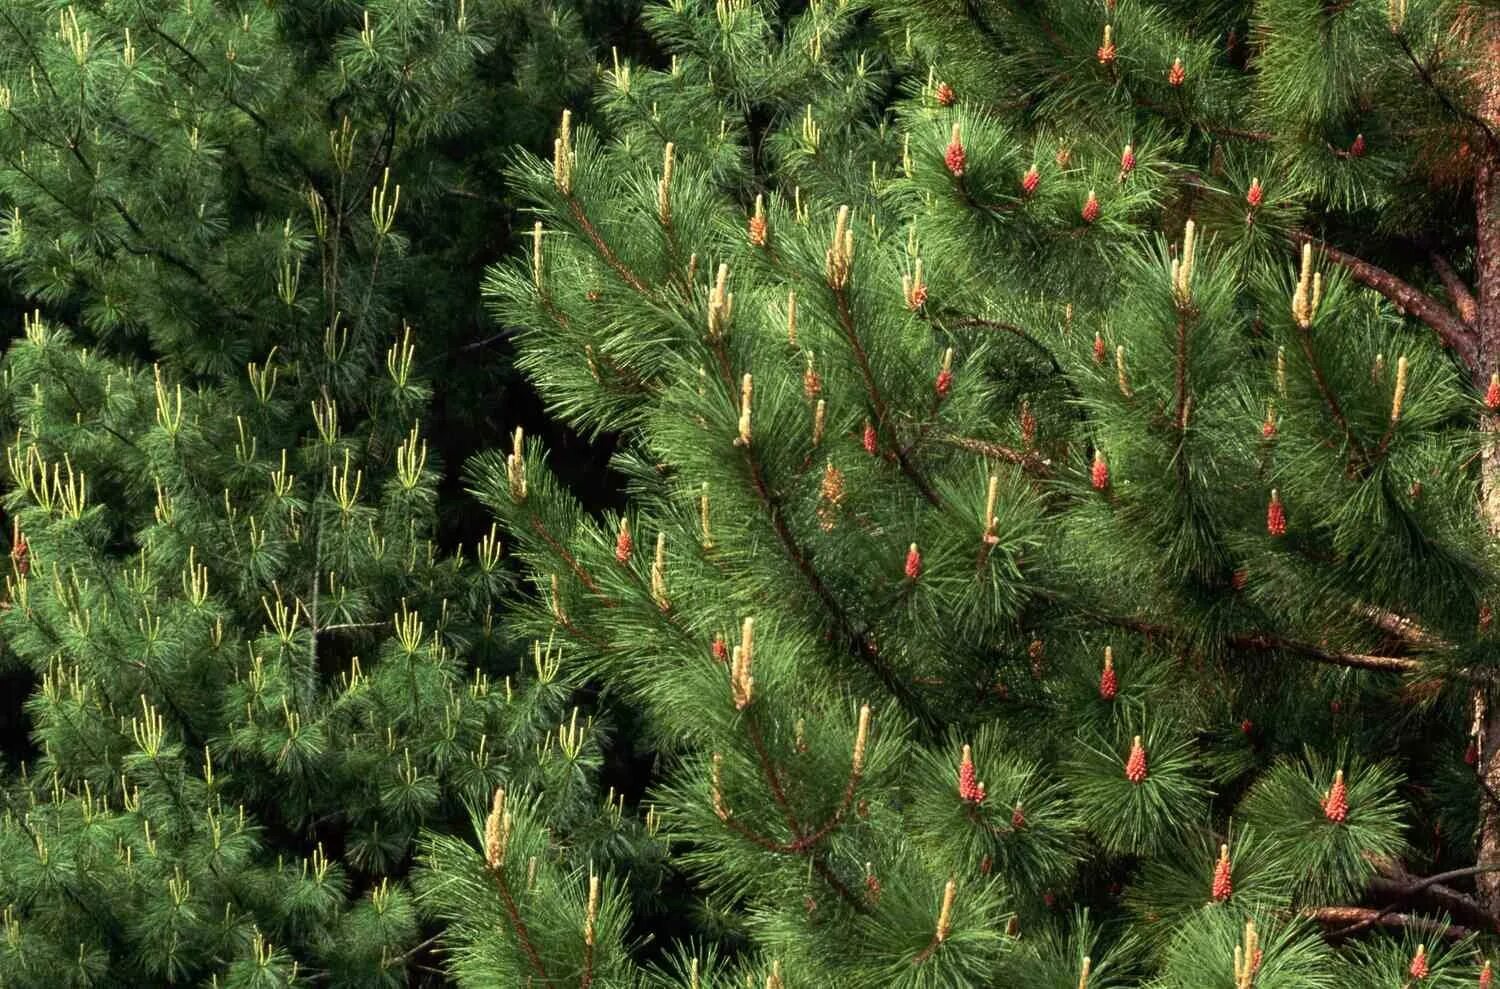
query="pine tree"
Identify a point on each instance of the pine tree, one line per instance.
(1246, 475)
(254, 672)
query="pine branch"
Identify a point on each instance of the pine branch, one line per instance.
(1365, 917)
(1463, 298)
(864, 648)
(1449, 328)
(1353, 919)
(1363, 661)
(995, 324)
(877, 400)
(778, 793)
(1029, 460)
(1335, 410)
(1267, 642)
(605, 251)
(519, 925)
(1400, 626)
(554, 544)
(1425, 74)
(1396, 882)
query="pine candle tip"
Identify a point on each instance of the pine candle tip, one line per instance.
(746, 388)
(1083, 975)
(716, 787)
(592, 916)
(861, 739)
(1398, 397)
(944, 382)
(1222, 887)
(496, 831)
(969, 788)
(536, 254)
(664, 187)
(1276, 515)
(945, 914)
(659, 573)
(992, 497)
(757, 225)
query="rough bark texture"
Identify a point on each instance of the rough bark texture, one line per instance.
(1487, 288)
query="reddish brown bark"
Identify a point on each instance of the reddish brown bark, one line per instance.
(1487, 290)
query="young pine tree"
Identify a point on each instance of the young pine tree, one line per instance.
(191, 182)
(1014, 600)
(253, 672)
(259, 677)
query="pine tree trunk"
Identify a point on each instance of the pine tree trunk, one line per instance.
(1487, 279)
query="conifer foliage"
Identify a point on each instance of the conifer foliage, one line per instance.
(1244, 475)
(1059, 454)
(256, 674)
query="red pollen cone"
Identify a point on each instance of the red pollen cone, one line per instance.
(1135, 766)
(1099, 473)
(1223, 884)
(1336, 804)
(1275, 516)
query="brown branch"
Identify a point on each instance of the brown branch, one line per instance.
(1184, 398)
(818, 865)
(995, 324)
(822, 869)
(1335, 410)
(1351, 919)
(872, 389)
(1359, 661)
(778, 793)
(540, 528)
(1395, 882)
(1449, 328)
(1029, 461)
(519, 925)
(1463, 299)
(1447, 101)
(608, 254)
(1399, 626)
(1266, 642)
(1364, 917)
(864, 648)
